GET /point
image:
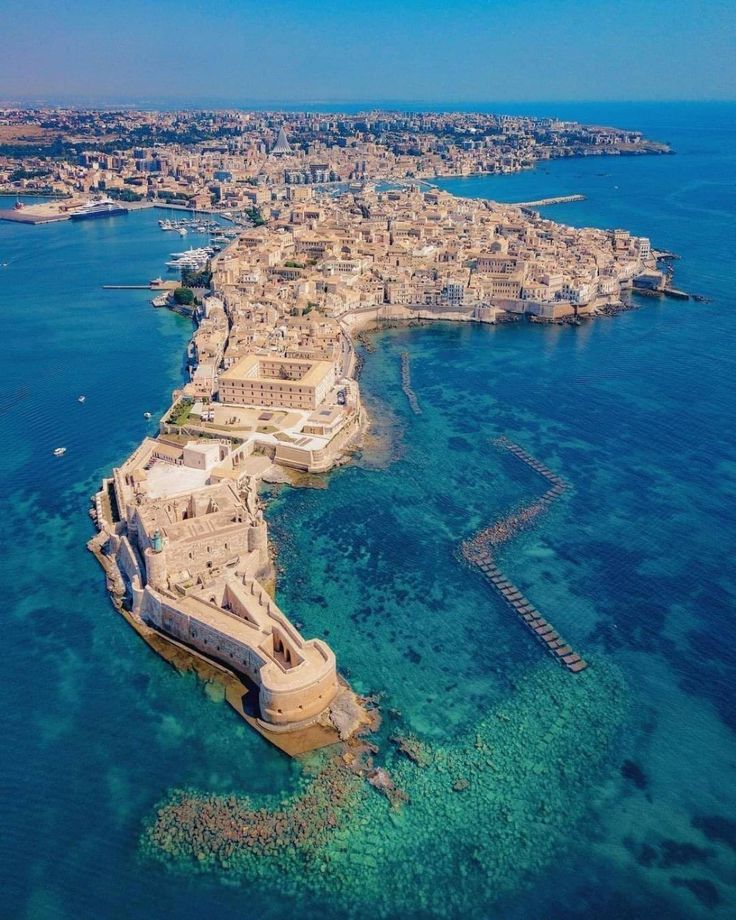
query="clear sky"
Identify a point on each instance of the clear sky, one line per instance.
(406, 50)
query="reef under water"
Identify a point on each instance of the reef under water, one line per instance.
(459, 825)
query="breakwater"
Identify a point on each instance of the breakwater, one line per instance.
(478, 551)
(406, 384)
(541, 202)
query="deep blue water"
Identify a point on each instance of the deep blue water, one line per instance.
(634, 567)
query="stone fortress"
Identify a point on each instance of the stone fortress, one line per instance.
(271, 388)
(189, 545)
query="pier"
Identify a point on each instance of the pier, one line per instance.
(157, 284)
(478, 551)
(406, 384)
(671, 292)
(24, 216)
(126, 287)
(542, 202)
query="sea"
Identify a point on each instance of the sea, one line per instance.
(608, 794)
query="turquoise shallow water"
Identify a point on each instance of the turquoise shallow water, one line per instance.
(637, 811)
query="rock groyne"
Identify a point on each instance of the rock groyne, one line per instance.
(479, 552)
(406, 384)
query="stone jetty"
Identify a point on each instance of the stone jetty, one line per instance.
(478, 551)
(542, 202)
(406, 384)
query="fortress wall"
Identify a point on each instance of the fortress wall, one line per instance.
(318, 461)
(360, 320)
(166, 616)
(307, 699)
(128, 561)
(129, 566)
(284, 697)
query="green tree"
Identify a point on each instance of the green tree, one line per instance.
(184, 296)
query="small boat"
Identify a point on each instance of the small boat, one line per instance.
(147, 415)
(60, 451)
(81, 399)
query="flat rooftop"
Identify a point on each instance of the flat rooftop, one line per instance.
(249, 368)
(165, 479)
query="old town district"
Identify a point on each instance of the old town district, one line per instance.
(272, 389)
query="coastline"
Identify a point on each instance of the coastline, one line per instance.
(209, 452)
(611, 568)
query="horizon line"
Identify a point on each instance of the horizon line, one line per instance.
(41, 99)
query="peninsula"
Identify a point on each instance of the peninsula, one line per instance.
(272, 388)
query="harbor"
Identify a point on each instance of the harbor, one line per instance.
(63, 209)
(70, 207)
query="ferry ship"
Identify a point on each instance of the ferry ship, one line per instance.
(105, 207)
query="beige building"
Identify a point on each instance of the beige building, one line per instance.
(189, 558)
(234, 621)
(265, 380)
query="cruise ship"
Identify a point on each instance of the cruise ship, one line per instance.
(104, 207)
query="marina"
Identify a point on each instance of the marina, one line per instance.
(192, 258)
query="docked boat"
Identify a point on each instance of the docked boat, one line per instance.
(59, 451)
(193, 258)
(200, 252)
(104, 207)
(162, 300)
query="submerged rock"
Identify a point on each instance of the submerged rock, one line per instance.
(413, 749)
(336, 840)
